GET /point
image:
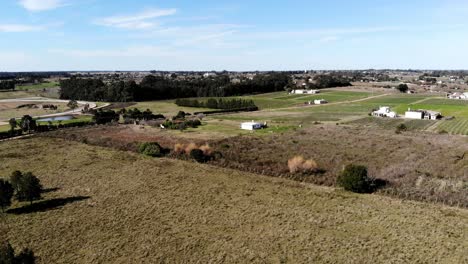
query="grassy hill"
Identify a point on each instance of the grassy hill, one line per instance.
(107, 206)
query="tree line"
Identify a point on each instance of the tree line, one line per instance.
(7, 85)
(160, 88)
(217, 103)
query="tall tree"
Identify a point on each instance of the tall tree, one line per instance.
(6, 194)
(30, 188)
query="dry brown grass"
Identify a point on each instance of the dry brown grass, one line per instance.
(179, 148)
(145, 210)
(207, 150)
(190, 147)
(299, 164)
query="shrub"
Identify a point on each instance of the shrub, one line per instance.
(190, 147)
(179, 148)
(151, 149)
(7, 255)
(207, 150)
(354, 179)
(400, 128)
(299, 164)
(198, 155)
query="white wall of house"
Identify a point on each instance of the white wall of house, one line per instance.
(414, 115)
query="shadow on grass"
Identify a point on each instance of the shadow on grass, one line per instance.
(49, 190)
(46, 205)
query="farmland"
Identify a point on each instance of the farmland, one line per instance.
(160, 210)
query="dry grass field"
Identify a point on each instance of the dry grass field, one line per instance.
(125, 208)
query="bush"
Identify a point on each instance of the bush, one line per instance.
(7, 255)
(179, 148)
(400, 128)
(207, 150)
(151, 149)
(190, 147)
(299, 164)
(198, 155)
(354, 179)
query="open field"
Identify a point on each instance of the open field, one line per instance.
(48, 93)
(11, 110)
(121, 207)
(402, 161)
(39, 86)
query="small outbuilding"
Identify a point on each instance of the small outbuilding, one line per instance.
(423, 114)
(320, 101)
(304, 91)
(251, 125)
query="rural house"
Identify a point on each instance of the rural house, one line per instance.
(384, 111)
(458, 95)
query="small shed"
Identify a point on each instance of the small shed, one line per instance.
(320, 101)
(251, 126)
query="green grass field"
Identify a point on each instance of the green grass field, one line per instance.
(38, 86)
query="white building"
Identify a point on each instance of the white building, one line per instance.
(320, 101)
(459, 96)
(423, 114)
(304, 91)
(414, 114)
(251, 125)
(384, 111)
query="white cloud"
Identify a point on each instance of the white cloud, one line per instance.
(14, 28)
(41, 5)
(141, 20)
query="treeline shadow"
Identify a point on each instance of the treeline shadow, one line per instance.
(46, 205)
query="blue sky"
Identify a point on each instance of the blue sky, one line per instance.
(38, 35)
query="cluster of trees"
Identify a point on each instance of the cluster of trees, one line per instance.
(181, 124)
(101, 116)
(8, 255)
(97, 90)
(217, 103)
(328, 81)
(159, 88)
(22, 186)
(26, 124)
(137, 114)
(7, 85)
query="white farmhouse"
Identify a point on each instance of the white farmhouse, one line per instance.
(304, 91)
(251, 125)
(458, 95)
(384, 111)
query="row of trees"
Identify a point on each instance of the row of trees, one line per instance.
(217, 103)
(137, 114)
(7, 85)
(159, 88)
